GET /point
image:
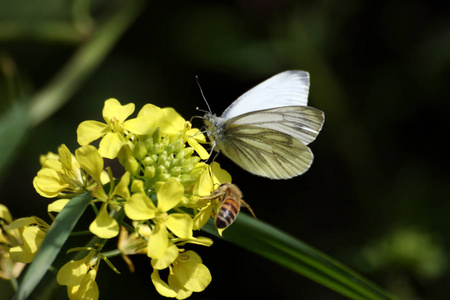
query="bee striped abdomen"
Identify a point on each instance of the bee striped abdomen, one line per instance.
(227, 213)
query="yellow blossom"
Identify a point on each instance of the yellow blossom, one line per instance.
(32, 232)
(169, 195)
(60, 174)
(8, 268)
(112, 133)
(188, 274)
(79, 277)
(66, 174)
(163, 188)
(104, 225)
(9, 237)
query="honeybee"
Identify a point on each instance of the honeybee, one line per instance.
(230, 199)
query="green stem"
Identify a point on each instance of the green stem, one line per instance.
(83, 63)
(14, 283)
(112, 253)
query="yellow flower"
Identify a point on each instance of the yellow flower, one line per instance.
(187, 274)
(8, 268)
(65, 173)
(9, 237)
(104, 225)
(115, 132)
(169, 195)
(32, 233)
(86, 290)
(112, 133)
(60, 174)
(79, 277)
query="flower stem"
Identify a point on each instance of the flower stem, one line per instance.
(82, 64)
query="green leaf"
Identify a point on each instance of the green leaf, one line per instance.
(54, 240)
(276, 245)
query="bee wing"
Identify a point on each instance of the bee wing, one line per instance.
(265, 152)
(289, 88)
(301, 122)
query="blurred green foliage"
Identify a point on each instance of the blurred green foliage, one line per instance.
(379, 71)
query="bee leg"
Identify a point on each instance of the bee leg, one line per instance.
(245, 204)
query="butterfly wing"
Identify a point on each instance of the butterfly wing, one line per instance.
(289, 88)
(301, 122)
(265, 152)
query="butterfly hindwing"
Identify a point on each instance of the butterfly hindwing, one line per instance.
(265, 152)
(301, 122)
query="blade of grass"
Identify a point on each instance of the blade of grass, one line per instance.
(55, 238)
(83, 63)
(13, 129)
(276, 245)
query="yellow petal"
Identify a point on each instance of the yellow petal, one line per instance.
(104, 226)
(197, 135)
(65, 157)
(23, 222)
(111, 144)
(219, 174)
(32, 237)
(198, 148)
(169, 257)
(72, 273)
(57, 205)
(169, 195)
(48, 183)
(151, 111)
(90, 161)
(191, 273)
(5, 214)
(140, 207)
(205, 184)
(180, 225)
(172, 122)
(182, 293)
(141, 125)
(88, 289)
(89, 131)
(121, 188)
(202, 217)
(113, 110)
(201, 240)
(158, 242)
(200, 278)
(162, 287)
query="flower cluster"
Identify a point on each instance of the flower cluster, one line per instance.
(154, 206)
(19, 242)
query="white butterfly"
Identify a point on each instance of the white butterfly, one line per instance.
(266, 130)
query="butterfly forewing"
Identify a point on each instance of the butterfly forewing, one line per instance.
(301, 122)
(289, 88)
(265, 152)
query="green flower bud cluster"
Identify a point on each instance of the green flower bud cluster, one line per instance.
(159, 158)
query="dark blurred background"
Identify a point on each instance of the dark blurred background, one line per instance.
(377, 196)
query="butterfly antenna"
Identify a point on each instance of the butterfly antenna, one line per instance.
(203, 95)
